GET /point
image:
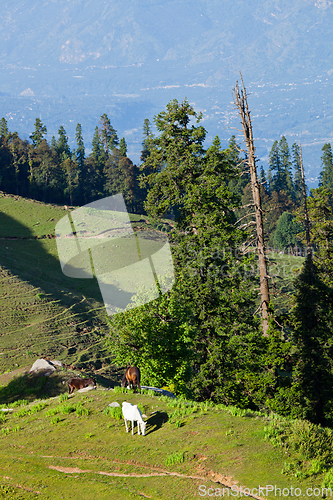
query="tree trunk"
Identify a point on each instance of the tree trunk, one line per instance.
(240, 100)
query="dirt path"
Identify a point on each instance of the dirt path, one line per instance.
(206, 475)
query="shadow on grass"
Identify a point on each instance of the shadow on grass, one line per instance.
(32, 386)
(156, 421)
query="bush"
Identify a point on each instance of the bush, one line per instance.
(306, 441)
(114, 412)
(175, 458)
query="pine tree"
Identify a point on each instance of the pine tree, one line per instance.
(108, 135)
(38, 135)
(241, 174)
(3, 128)
(287, 229)
(71, 172)
(274, 171)
(80, 150)
(296, 161)
(326, 175)
(53, 145)
(123, 147)
(286, 166)
(62, 147)
(97, 148)
(312, 318)
(145, 143)
(280, 168)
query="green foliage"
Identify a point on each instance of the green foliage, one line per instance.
(11, 493)
(67, 409)
(108, 135)
(328, 480)
(286, 232)
(122, 390)
(146, 135)
(80, 151)
(38, 135)
(310, 445)
(80, 411)
(55, 420)
(123, 147)
(312, 318)
(280, 167)
(175, 458)
(320, 207)
(32, 410)
(159, 336)
(52, 411)
(114, 412)
(326, 175)
(201, 335)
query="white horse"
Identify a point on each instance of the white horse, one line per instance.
(132, 413)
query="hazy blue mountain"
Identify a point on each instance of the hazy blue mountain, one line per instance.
(69, 61)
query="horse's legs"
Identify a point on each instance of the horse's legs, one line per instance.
(132, 427)
(126, 425)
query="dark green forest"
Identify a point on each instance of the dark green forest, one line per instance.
(203, 338)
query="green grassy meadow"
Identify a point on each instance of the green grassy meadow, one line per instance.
(74, 448)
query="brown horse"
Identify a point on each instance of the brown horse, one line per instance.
(80, 383)
(132, 378)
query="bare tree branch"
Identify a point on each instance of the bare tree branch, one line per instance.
(240, 101)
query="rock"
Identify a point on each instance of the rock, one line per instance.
(56, 362)
(86, 389)
(114, 404)
(44, 365)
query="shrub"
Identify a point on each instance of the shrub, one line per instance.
(328, 480)
(307, 441)
(175, 458)
(80, 411)
(122, 390)
(67, 409)
(114, 412)
(55, 420)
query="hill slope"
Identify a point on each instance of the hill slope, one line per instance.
(76, 448)
(42, 312)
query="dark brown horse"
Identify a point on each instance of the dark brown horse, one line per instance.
(132, 378)
(80, 383)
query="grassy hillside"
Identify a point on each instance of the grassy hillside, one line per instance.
(76, 447)
(42, 311)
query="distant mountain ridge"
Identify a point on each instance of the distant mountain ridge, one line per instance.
(69, 62)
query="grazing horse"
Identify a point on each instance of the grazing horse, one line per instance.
(133, 414)
(80, 383)
(132, 378)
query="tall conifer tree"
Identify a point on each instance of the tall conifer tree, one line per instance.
(326, 175)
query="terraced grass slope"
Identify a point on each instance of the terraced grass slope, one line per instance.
(43, 312)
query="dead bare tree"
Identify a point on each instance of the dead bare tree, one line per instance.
(240, 100)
